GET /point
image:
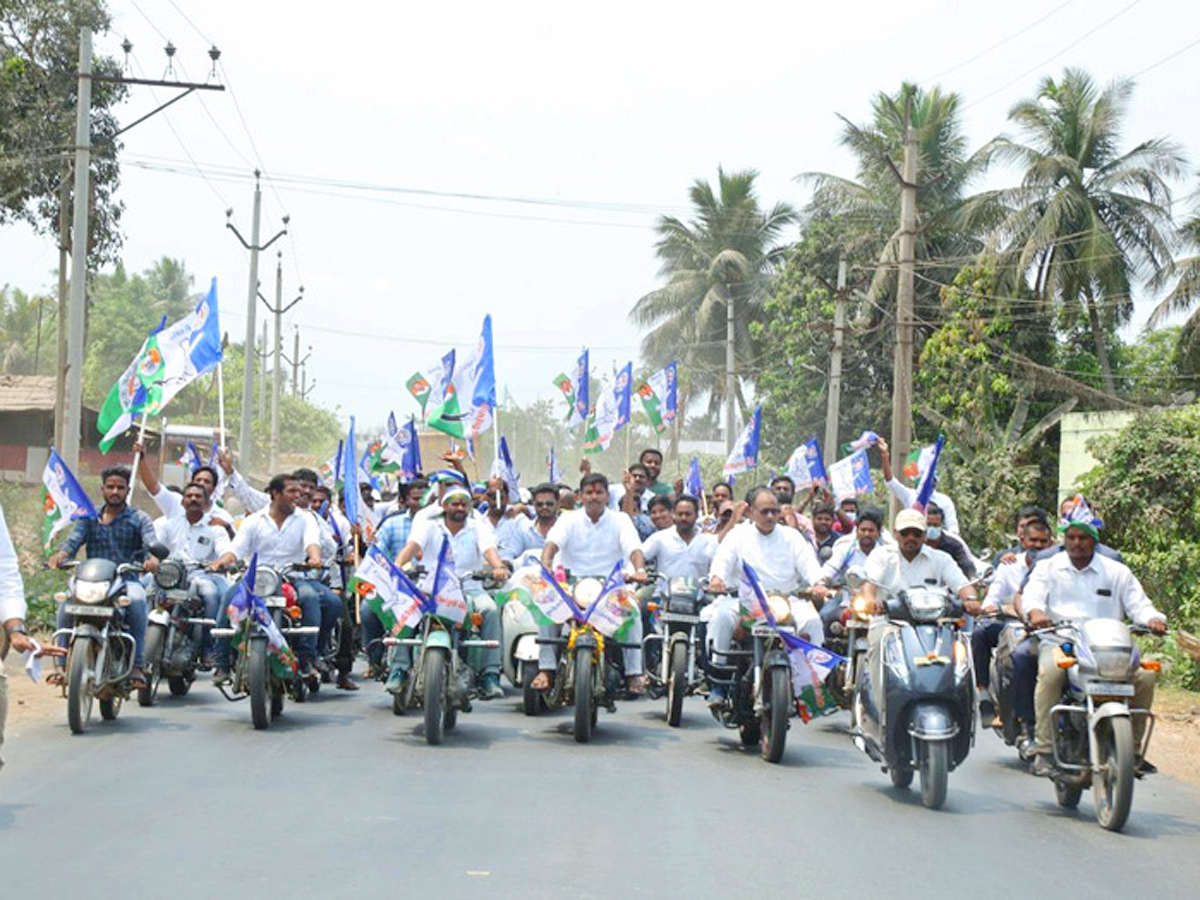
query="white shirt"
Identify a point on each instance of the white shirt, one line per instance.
(587, 548)
(847, 556)
(783, 560)
(1006, 582)
(199, 543)
(12, 588)
(908, 496)
(468, 547)
(170, 504)
(887, 568)
(277, 546)
(1103, 589)
(675, 557)
(252, 498)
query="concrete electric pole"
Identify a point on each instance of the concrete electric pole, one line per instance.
(903, 361)
(833, 409)
(277, 380)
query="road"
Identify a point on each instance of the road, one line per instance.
(186, 800)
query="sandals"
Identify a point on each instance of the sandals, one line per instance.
(57, 678)
(635, 685)
(541, 681)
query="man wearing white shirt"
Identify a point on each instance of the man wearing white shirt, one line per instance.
(681, 551)
(850, 555)
(472, 547)
(532, 532)
(588, 543)
(281, 535)
(1076, 586)
(784, 561)
(170, 504)
(907, 496)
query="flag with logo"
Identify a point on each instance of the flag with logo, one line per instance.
(575, 390)
(659, 396)
(444, 587)
(466, 412)
(63, 499)
(126, 399)
(805, 466)
(504, 469)
(429, 386)
(615, 609)
(862, 442)
(744, 455)
(402, 448)
(917, 462)
(185, 350)
(851, 476)
(245, 604)
(543, 596)
(389, 593)
(694, 484)
(929, 476)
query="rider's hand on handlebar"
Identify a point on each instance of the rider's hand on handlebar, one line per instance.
(1157, 626)
(639, 577)
(500, 573)
(1038, 619)
(56, 560)
(972, 607)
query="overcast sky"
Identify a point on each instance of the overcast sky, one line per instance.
(598, 117)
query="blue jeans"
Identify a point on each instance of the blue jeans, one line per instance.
(305, 647)
(372, 635)
(208, 587)
(329, 608)
(134, 616)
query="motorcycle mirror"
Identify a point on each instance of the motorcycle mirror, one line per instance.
(159, 551)
(985, 554)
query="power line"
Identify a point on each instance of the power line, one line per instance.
(995, 46)
(1166, 59)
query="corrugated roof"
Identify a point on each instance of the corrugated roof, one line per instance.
(26, 392)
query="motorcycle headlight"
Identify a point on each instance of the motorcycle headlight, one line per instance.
(926, 605)
(91, 591)
(170, 574)
(586, 591)
(859, 606)
(266, 582)
(1113, 663)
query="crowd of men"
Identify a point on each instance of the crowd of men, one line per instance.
(802, 547)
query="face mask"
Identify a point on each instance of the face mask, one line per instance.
(933, 532)
(850, 514)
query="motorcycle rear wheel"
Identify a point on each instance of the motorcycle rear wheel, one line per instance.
(531, 700)
(155, 639)
(935, 772)
(110, 708)
(901, 778)
(435, 663)
(259, 684)
(1113, 784)
(178, 685)
(585, 700)
(777, 704)
(677, 682)
(79, 685)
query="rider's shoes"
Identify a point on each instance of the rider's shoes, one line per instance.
(987, 712)
(345, 683)
(221, 676)
(1145, 767)
(322, 668)
(635, 685)
(306, 669)
(716, 697)
(1026, 749)
(395, 682)
(1042, 767)
(542, 681)
(206, 664)
(490, 688)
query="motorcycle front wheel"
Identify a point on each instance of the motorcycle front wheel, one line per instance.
(1067, 795)
(677, 682)
(79, 685)
(1113, 784)
(777, 703)
(155, 639)
(178, 685)
(935, 772)
(584, 697)
(260, 684)
(531, 700)
(435, 663)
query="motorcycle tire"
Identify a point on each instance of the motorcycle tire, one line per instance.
(277, 695)
(110, 708)
(260, 685)
(901, 778)
(935, 772)
(1113, 783)
(531, 700)
(435, 663)
(677, 682)
(450, 718)
(1067, 795)
(750, 733)
(155, 639)
(178, 685)
(585, 697)
(777, 707)
(398, 703)
(79, 685)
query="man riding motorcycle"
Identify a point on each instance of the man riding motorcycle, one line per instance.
(850, 555)
(1078, 585)
(784, 560)
(681, 551)
(531, 535)
(472, 544)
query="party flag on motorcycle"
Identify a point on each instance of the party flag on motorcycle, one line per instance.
(851, 476)
(466, 412)
(504, 469)
(64, 499)
(929, 477)
(348, 469)
(805, 466)
(245, 604)
(613, 611)
(694, 484)
(744, 455)
(545, 598)
(444, 587)
(389, 593)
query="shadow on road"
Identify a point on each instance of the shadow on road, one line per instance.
(1140, 825)
(8, 813)
(468, 736)
(959, 801)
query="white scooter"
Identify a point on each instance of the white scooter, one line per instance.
(518, 644)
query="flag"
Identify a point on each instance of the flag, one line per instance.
(366, 471)
(429, 386)
(348, 470)
(581, 400)
(613, 611)
(659, 397)
(329, 472)
(611, 413)
(805, 466)
(744, 455)
(190, 458)
(591, 435)
(693, 484)
(504, 469)
(466, 412)
(125, 399)
(862, 442)
(63, 498)
(567, 388)
(623, 393)
(917, 462)
(929, 476)
(187, 349)
(402, 448)
(555, 475)
(542, 595)
(851, 476)
(392, 596)
(444, 587)
(245, 604)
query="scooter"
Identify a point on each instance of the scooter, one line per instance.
(914, 701)
(518, 643)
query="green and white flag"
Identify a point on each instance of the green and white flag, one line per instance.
(127, 398)
(386, 594)
(467, 410)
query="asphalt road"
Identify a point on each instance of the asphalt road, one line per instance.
(187, 800)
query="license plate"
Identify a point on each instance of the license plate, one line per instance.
(679, 618)
(1109, 689)
(99, 612)
(274, 602)
(766, 631)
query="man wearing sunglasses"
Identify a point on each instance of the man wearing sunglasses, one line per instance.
(910, 562)
(531, 533)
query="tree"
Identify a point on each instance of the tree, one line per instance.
(725, 255)
(1184, 276)
(27, 329)
(39, 57)
(1086, 221)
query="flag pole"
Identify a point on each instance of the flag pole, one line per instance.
(137, 455)
(221, 403)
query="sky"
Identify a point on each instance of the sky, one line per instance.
(443, 161)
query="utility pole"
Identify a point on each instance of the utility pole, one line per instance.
(245, 441)
(295, 360)
(833, 410)
(903, 362)
(278, 309)
(730, 430)
(64, 259)
(262, 366)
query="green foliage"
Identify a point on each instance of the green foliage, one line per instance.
(28, 333)
(23, 513)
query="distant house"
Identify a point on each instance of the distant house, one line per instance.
(27, 431)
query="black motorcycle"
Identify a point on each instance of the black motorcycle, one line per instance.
(674, 648)
(175, 632)
(914, 702)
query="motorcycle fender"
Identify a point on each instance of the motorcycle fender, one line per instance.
(932, 722)
(438, 638)
(1111, 709)
(160, 617)
(776, 660)
(88, 632)
(527, 648)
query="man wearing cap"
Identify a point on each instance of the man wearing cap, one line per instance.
(910, 562)
(1077, 586)
(472, 544)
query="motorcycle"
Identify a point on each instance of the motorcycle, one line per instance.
(1001, 682)
(847, 637)
(590, 672)
(914, 706)
(1093, 722)
(100, 654)
(440, 682)
(757, 678)
(681, 634)
(264, 671)
(174, 632)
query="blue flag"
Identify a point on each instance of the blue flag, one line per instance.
(805, 466)
(503, 468)
(744, 455)
(929, 478)
(410, 463)
(555, 473)
(623, 392)
(66, 499)
(693, 484)
(851, 476)
(582, 403)
(823, 661)
(351, 496)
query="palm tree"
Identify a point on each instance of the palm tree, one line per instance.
(1086, 221)
(1185, 273)
(725, 255)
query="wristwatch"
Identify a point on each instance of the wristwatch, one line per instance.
(16, 629)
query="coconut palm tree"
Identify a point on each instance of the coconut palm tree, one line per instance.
(1184, 276)
(1087, 221)
(725, 255)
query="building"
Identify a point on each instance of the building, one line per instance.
(1074, 457)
